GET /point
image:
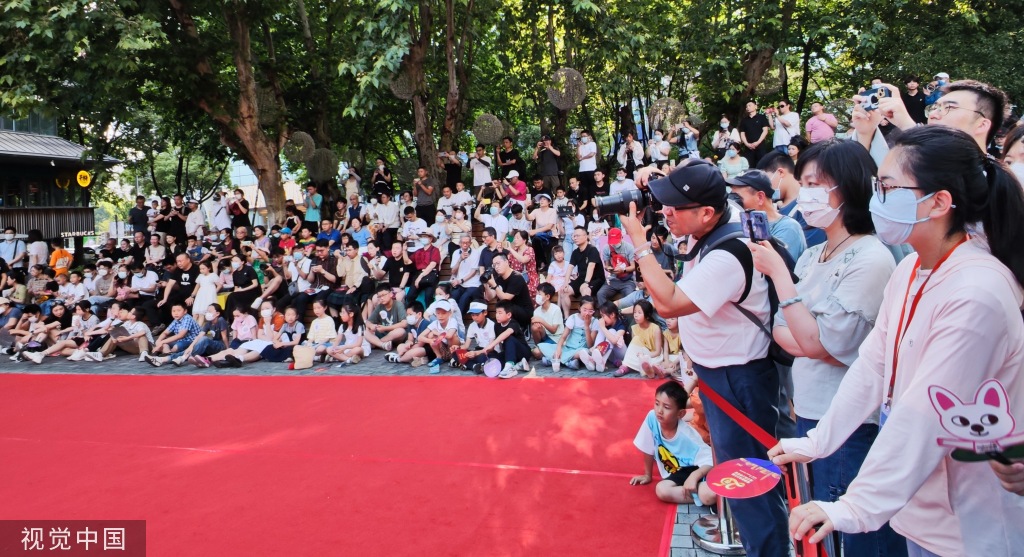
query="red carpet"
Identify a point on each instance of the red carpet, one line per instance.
(362, 466)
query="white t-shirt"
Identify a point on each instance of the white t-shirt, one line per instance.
(483, 335)
(147, 281)
(481, 171)
(453, 325)
(588, 165)
(520, 224)
(446, 203)
(624, 185)
(134, 328)
(466, 267)
(386, 214)
(552, 315)
(38, 251)
(784, 134)
(719, 335)
(414, 228)
(685, 448)
(498, 222)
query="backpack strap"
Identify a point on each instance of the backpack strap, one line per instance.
(741, 252)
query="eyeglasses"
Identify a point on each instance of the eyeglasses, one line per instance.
(941, 110)
(880, 187)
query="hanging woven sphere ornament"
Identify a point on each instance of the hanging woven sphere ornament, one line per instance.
(323, 165)
(488, 129)
(567, 90)
(299, 148)
(665, 113)
(402, 86)
(267, 106)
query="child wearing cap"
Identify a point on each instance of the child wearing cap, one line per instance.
(438, 341)
(287, 241)
(509, 344)
(479, 335)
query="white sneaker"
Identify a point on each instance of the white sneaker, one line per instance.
(600, 360)
(94, 356)
(509, 371)
(587, 360)
(109, 356)
(77, 356)
(36, 357)
(142, 357)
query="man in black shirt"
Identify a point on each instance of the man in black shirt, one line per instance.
(137, 215)
(178, 216)
(914, 99)
(138, 250)
(509, 286)
(546, 156)
(452, 168)
(508, 158)
(753, 133)
(180, 285)
(586, 264)
(399, 272)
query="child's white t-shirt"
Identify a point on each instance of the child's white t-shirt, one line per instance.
(685, 449)
(483, 335)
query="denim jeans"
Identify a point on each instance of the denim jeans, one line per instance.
(830, 476)
(753, 388)
(205, 345)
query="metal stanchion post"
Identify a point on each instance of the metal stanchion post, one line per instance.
(718, 533)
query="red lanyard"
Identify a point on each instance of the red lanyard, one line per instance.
(900, 331)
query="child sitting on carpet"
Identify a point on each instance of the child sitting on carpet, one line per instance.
(683, 458)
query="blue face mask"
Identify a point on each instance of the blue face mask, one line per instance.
(730, 152)
(894, 218)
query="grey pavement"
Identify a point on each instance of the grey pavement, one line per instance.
(682, 545)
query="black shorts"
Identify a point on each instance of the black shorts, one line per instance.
(679, 476)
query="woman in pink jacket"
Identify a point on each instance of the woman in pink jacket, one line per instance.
(944, 360)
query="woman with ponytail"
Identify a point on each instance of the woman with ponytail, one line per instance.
(943, 361)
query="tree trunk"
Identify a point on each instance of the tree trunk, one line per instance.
(806, 77)
(458, 77)
(415, 63)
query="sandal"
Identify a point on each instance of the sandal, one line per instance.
(622, 371)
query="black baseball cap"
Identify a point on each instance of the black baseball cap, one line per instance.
(693, 182)
(756, 179)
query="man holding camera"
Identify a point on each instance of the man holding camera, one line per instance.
(547, 162)
(505, 285)
(729, 352)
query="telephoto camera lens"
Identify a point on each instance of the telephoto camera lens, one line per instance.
(618, 203)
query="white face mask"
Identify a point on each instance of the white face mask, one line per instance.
(725, 125)
(495, 211)
(425, 241)
(102, 272)
(584, 140)
(814, 206)
(9, 237)
(894, 218)
(620, 178)
(88, 275)
(540, 299)
(380, 167)
(267, 313)
(411, 319)
(122, 275)
(208, 315)
(235, 264)
(657, 137)
(439, 220)
(238, 196)
(373, 201)
(459, 216)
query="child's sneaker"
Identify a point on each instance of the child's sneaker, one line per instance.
(143, 356)
(36, 357)
(478, 369)
(587, 360)
(600, 360)
(623, 370)
(545, 361)
(509, 371)
(77, 356)
(573, 364)
(391, 357)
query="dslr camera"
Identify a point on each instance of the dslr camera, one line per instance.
(486, 275)
(618, 203)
